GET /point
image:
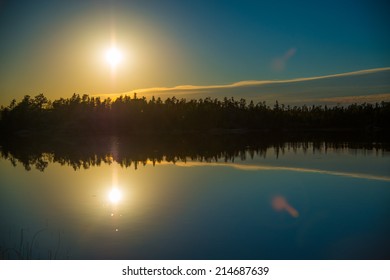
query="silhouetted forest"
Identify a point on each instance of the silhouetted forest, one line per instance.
(85, 115)
(138, 150)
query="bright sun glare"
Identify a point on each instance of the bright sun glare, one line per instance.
(113, 56)
(115, 195)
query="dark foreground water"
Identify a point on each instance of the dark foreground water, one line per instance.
(300, 200)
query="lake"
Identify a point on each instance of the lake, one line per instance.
(200, 197)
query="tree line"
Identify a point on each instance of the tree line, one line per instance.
(125, 115)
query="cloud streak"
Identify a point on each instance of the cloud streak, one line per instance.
(248, 167)
(359, 99)
(351, 86)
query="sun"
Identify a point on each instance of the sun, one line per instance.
(113, 56)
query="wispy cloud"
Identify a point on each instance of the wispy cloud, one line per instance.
(357, 85)
(249, 167)
(359, 99)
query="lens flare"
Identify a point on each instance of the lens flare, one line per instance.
(279, 203)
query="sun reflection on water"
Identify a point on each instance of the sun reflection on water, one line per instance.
(115, 195)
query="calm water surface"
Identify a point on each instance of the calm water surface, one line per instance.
(294, 201)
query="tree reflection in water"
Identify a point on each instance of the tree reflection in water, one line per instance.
(138, 150)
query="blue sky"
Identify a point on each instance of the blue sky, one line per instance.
(56, 47)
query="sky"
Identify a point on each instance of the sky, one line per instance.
(59, 47)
